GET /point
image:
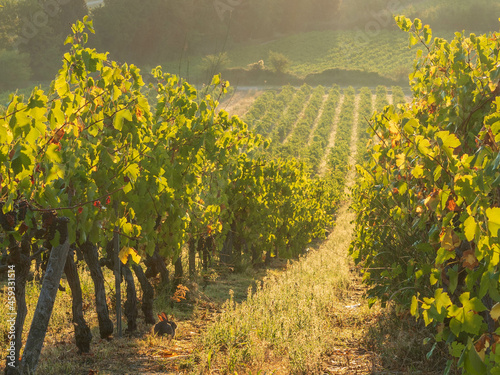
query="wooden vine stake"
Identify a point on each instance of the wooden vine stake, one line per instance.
(117, 272)
(45, 304)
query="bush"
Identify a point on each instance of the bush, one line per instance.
(279, 62)
(15, 70)
(214, 64)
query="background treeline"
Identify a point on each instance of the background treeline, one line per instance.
(153, 32)
(144, 32)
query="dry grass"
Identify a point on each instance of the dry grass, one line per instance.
(313, 319)
(239, 103)
(290, 323)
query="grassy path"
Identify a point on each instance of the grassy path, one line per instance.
(310, 318)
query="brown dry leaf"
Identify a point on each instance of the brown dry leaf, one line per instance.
(180, 293)
(432, 201)
(167, 354)
(469, 260)
(495, 311)
(496, 340)
(482, 345)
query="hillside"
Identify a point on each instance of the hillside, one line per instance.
(384, 52)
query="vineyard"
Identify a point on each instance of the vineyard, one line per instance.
(388, 54)
(103, 170)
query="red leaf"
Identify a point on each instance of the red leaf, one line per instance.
(451, 205)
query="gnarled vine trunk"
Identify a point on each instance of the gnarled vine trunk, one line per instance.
(147, 294)
(91, 256)
(83, 336)
(131, 302)
(20, 259)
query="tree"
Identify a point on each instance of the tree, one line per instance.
(42, 30)
(279, 62)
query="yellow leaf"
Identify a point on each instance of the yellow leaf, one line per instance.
(393, 127)
(400, 160)
(495, 311)
(449, 239)
(129, 251)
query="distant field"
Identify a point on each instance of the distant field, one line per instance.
(317, 51)
(385, 53)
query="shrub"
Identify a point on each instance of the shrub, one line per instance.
(279, 62)
(214, 64)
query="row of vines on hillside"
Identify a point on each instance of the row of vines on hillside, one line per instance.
(398, 95)
(299, 138)
(259, 108)
(266, 124)
(321, 135)
(365, 111)
(94, 167)
(338, 159)
(284, 124)
(428, 197)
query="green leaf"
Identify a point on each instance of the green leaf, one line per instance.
(470, 228)
(53, 153)
(473, 364)
(449, 141)
(132, 171)
(423, 145)
(442, 300)
(427, 34)
(417, 24)
(69, 40)
(473, 304)
(127, 188)
(120, 117)
(453, 277)
(413, 40)
(493, 215)
(404, 23)
(61, 86)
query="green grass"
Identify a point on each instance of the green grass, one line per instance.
(283, 323)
